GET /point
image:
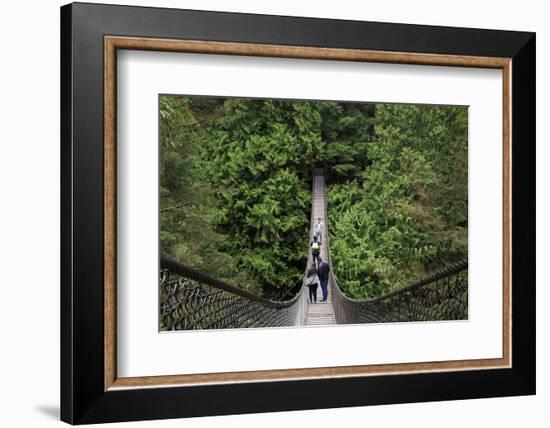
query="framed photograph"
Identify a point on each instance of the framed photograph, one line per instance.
(266, 213)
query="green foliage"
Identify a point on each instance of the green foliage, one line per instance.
(407, 213)
(187, 206)
(346, 130)
(259, 157)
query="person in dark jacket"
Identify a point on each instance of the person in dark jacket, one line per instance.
(312, 282)
(323, 271)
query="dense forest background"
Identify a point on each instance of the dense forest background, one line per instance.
(236, 189)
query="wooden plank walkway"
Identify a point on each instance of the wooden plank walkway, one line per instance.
(320, 313)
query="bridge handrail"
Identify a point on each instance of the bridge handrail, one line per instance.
(194, 274)
(442, 273)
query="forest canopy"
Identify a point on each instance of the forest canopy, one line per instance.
(235, 191)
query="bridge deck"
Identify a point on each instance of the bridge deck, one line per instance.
(320, 313)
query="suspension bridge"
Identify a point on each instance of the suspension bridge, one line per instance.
(191, 299)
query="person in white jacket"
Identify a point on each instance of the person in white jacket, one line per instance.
(318, 230)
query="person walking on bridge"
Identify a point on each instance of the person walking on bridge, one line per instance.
(312, 282)
(323, 270)
(318, 230)
(315, 249)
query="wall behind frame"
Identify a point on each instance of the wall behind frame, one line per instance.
(29, 230)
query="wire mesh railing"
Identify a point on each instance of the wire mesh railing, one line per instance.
(192, 300)
(442, 295)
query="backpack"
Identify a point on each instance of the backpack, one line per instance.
(315, 247)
